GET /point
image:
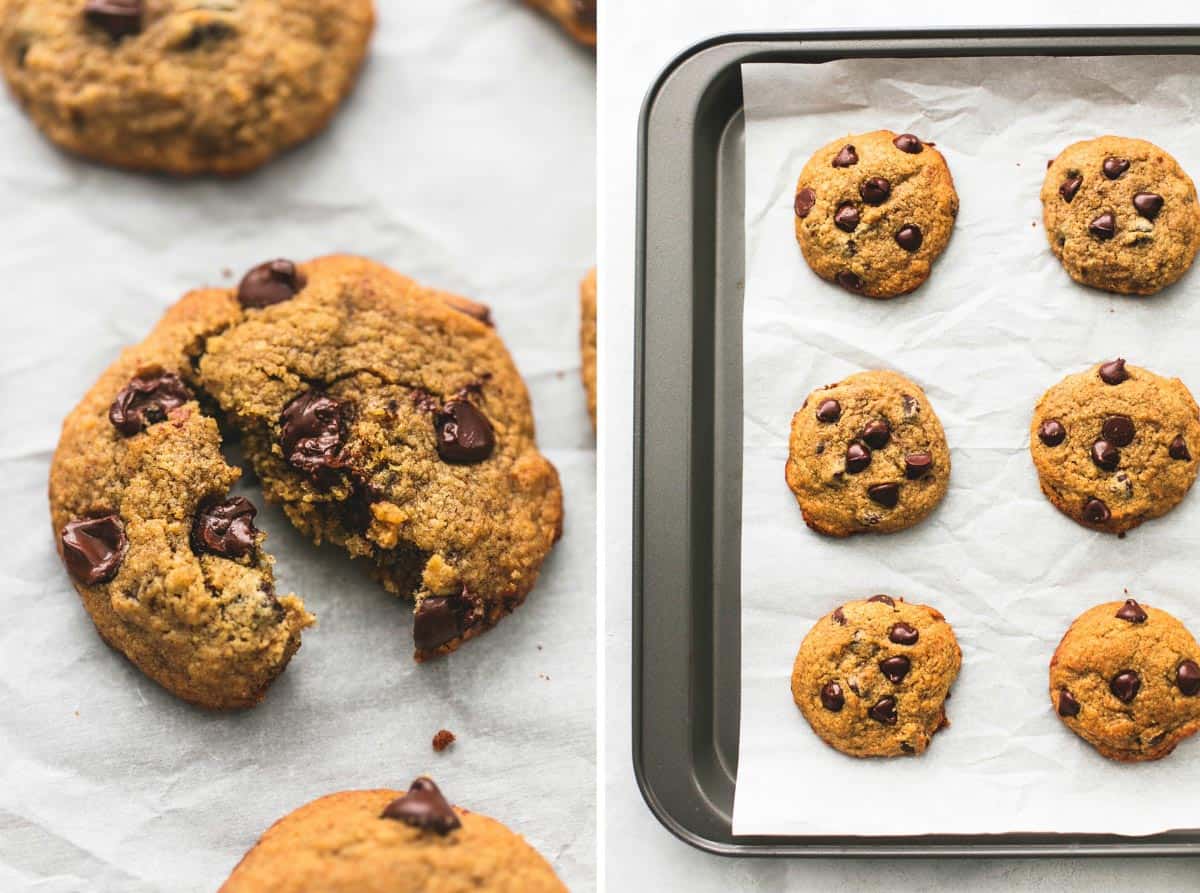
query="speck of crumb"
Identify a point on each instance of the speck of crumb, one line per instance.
(543, 676)
(443, 739)
(227, 273)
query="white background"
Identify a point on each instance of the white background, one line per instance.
(638, 39)
(439, 165)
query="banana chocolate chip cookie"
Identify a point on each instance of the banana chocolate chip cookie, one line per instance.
(1126, 679)
(386, 841)
(867, 454)
(1113, 446)
(577, 17)
(874, 211)
(1121, 215)
(182, 86)
(872, 677)
(385, 417)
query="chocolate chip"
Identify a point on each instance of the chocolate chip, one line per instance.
(805, 199)
(1069, 187)
(877, 434)
(1113, 372)
(1103, 227)
(1095, 511)
(895, 668)
(146, 400)
(850, 281)
(1131, 611)
(917, 465)
(356, 510)
(886, 495)
(839, 617)
(439, 619)
(884, 599)
(1148, 204)
(120, 18)
(1187, 677)
(1105, 455)
(1125, 685)
(903, 634)
(875, 190)
(829, 411)
(1067, 705)
(858, 457)
(909, 237)
(1051, 432)
(1118, 430)
(846, 218)
(845, 157)
(274, 282)
(225, 528)
(906, 142)
(1178, 450)
(1114, 167)
(311, 432)
(423, 807)
(832, 698)
(464, 435)
(205, 33)
(884, 711)
(94, 548)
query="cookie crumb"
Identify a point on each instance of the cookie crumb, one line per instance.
(443, 739)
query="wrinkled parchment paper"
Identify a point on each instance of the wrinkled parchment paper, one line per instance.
(997, 324)
(465, 158)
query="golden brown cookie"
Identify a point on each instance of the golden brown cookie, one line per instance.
(587, 339)
(1113, 445)
(1126, 679)
(874, 211)
(872, 677)
(182, 86)
(577, 17)
(1121, 215)
(867, 454)
(391, 842)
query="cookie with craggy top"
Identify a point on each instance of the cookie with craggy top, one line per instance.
(867, 454)
(1121, 215)
(587, 339)
(577, 17)
(384, 841)
(872, 677)
(182, 86)
(1126, 679)
(1113, 446)
(874, 211)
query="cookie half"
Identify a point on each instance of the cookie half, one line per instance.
(872, 677)
(874, 211)
(577, 17)
(587, 339)
(1126, 679)
(1113, 446)
(867, 454)
(1121, 215)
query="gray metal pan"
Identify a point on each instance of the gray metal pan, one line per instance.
(688, 435)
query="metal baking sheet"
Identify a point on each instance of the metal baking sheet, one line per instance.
(688, 438)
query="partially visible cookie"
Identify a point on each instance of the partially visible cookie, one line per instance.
(1126, 679)
(874, 211)
(1116, 445)
(587, 339)
(578, 17)
(386, 841)
(1121, 215)
(867, 454)
(872, 677)
(182, 86)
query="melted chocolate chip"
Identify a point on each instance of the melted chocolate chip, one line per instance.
(464, 435)
(119, 18)
(1187, 677)
(886, 495)
(1131, 611)
(274, 282)
(1125, 685)
(917, 465)
(423, 807)
(1113, 372)
(884, 711)
(875, 190)
(1095, 511)
(839, 617)
(832, 698)
(1118, 430)
(1178, 450)
(93, 548)
(147, 400)
(903, 634)
(895, 668)
(1114, 167)
(850, 281)
(858, 457)
(225, 528)
(1051, 432)
(1103, 227)
(1105, 455)
(311, 432)
(1148, 204)
(1069, 187)
(906, 142)
(805, 199)
(829, 411)
(439, 619)
(1067, 705)
(846, 219)
(846, 157)
(884, 599)
(877, 434)
(909, 237)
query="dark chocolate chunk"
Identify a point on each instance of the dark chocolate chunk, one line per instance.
(875, 190)
(1067, 705)
(895, 668)
(94, 548)
(1125, 685)
(274, 282)
(147, 400)
(886, 495)
(850, 281)
(858, 457)
(225, 527)
(1103, 227)
(918, 464)
(311, 432)
(884, 711)
(829, 411)
(805, 199)
(1051, 432)
(1114, 167)
(906, 142)
(846, 219)
(1113, 372)
(884, 599)
(846, 157)
(1095, 511)
(423, 807)
(119, 18)
(464, 435)
(1069, 187)
(903, 634)
(1148, 204)
(876, 433)
(1105, 455)
(832, 698)
(439, 619)
(909, 237)
(1187, 677)
(1131, 611)
(1178, 450)
(1118, 430)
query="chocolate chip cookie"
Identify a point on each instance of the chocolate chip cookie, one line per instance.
(1126, 679)
(872, 677)
(182, 86)
(587, 339)
(577, 17)
(867, 454)
(385, 841)
(1113, 446)
(1121, 215)
(384, 416)
(874, 211)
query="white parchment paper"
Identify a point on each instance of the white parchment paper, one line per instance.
(465, 158)
(998, 323)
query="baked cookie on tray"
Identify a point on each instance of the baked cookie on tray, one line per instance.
(587, 339)
(1126, 679)
(873, 212)
(577, 17)
(872, 677)
(1121, 215)
(386, 841)
(1113, 446)
(382, 415)
(867, 454)
(182, 86)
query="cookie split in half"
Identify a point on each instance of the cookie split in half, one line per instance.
(1121, 215)
(577, 17)
(873, 211)
(1126, 679)
(872, 677)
